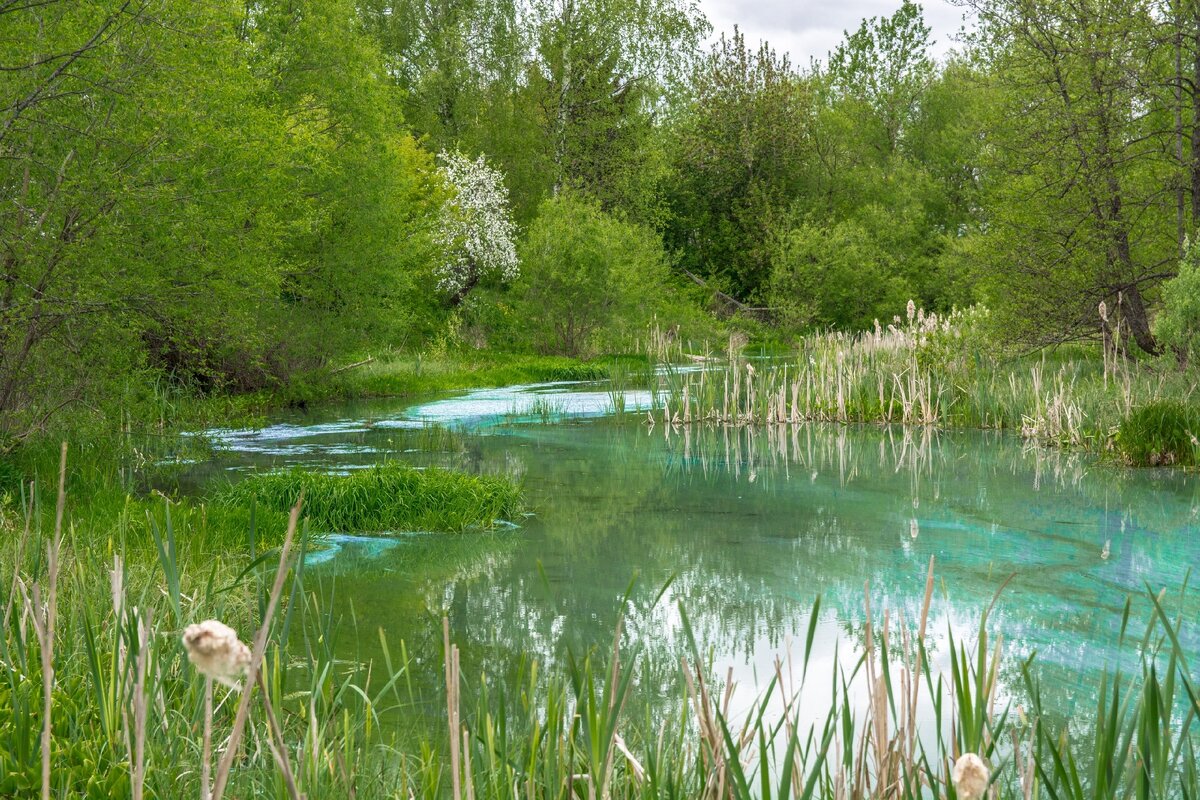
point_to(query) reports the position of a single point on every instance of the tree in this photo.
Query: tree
(740, 153)
(885, 67)
(839, 277)
(1079, 186)
(584, 271)
(1178, 324)
(475, 227)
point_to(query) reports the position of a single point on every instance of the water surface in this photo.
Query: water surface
(748, 527)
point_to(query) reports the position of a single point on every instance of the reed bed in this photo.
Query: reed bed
(384, 497)
(927, 370)
(100, 698)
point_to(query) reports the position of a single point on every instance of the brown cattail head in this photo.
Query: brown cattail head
(971, 777)
(215, 650)
(1104, 311)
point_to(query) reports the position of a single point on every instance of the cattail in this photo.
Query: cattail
(214, 648)
(1103, 311)
(912, 310)
(971, 777)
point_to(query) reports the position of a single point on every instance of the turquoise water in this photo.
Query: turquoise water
(749, 527)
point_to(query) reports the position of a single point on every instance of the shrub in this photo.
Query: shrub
(588, 275)
(1160, 434)
(384, 497)
(1178, 324)
(838, 277)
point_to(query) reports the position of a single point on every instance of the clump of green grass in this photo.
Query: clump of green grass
(1162, 433)
(384, 497)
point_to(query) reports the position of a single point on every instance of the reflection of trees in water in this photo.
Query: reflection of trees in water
(755, 523)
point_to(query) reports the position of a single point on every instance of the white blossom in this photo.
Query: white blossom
(475, 226)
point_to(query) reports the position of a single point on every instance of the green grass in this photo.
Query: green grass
(386, 497)
(1162, 433)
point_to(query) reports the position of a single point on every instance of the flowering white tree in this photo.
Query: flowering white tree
(475, 227)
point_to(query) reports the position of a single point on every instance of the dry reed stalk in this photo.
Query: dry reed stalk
(140, 706)
(44, 619)
(256, 656)
(206, 751)
(452, 709)
(277, 744)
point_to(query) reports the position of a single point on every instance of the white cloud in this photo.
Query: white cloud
(808, 29)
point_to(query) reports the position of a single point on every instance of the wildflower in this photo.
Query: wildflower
(215, 650)
(971, 777)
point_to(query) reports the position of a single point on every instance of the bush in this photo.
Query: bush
(386, 497)
(1160, 434)
(838, 277)
(1178, 324)
(588, 278)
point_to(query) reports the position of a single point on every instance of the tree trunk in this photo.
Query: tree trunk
(1195, 161)
(1133, 311)
(457, 298)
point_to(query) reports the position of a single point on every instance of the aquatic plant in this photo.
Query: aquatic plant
(385, 497)
(1162, 433)
(930, 370)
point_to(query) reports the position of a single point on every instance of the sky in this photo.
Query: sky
(811, 28)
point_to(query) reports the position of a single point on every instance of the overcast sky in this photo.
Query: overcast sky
(811, 28)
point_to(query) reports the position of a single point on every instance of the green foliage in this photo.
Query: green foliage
(1162, 433)
(739, 151)
(386, 497)
(834, 278)
(588, 277)
(1178, 324)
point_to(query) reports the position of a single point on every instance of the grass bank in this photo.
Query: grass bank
(385, 497)
(97, 690)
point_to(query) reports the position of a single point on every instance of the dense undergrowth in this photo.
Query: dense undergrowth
(93, 637)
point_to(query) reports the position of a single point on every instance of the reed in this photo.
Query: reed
(928, 370)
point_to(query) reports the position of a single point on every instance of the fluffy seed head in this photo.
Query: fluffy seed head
(214, 648)
(971, 777)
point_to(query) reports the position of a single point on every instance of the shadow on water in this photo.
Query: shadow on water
(748, 526)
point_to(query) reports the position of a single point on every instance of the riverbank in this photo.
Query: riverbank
(178, 561)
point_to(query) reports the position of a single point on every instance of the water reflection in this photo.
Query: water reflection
(750, 526)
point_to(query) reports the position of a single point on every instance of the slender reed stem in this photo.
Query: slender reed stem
(206, 753)
(279, 748)
(256, 655)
